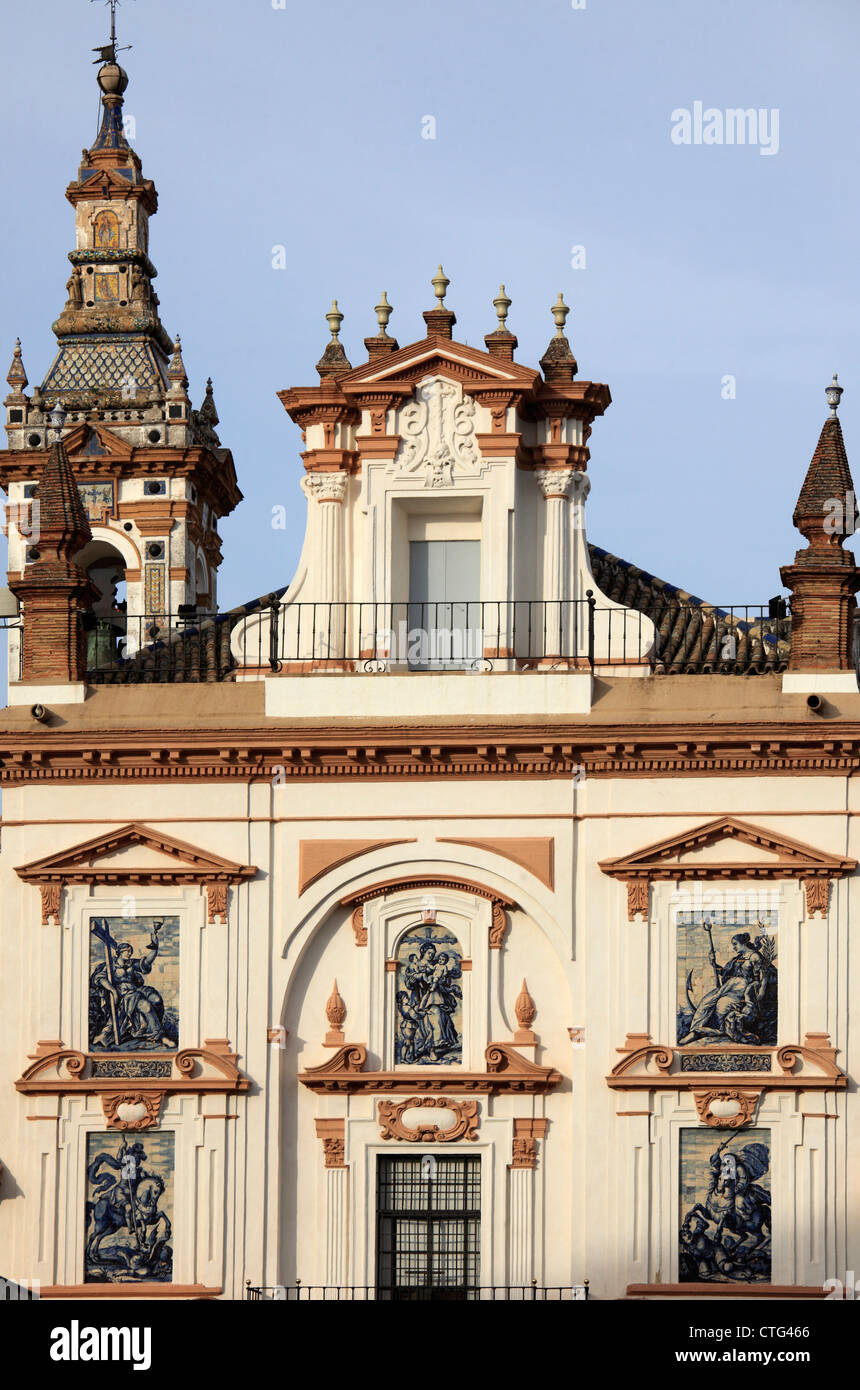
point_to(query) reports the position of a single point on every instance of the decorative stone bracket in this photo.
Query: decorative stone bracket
(727, 1083)
(507, 1072)
(524, 1142)
(134, 1101)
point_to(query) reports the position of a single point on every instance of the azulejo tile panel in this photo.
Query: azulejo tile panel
(429, 999)
(727, 980)
(134, 984)
(725, 1207)
(129, 1209)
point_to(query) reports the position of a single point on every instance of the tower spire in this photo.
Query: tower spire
(824, 576)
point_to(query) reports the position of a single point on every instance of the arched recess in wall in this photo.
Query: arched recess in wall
(322, 903)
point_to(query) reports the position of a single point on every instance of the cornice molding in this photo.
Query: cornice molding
(396, 752)
(656, 1067)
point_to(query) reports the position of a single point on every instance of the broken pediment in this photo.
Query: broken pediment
(133, 854)
(727, 848)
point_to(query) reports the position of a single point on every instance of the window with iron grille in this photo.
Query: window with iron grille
(428, 1228)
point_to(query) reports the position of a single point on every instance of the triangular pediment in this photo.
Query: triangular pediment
(727, 844)
(439, 357)
(86, 442)
(133, 852)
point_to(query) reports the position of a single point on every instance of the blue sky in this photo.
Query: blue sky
(302, 127)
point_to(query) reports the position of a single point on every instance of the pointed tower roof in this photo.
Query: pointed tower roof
(63, 521)
(828, 476)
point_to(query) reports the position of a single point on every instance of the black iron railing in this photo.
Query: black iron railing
(505, 635)
(352, 1293)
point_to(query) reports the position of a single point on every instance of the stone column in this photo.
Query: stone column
(327, 628)
(555, 638)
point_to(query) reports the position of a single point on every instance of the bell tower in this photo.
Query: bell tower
(153, 476)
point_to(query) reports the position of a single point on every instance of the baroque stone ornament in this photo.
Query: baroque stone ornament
(358, 928)
(637, 899)
(525, 1011)
(335, 1012)
(817, 895)
(524, 1141)
(736, 1106)
(136, 1111)
(332, 1132)
(325, 487)
(554, 482)
(437, 429)
(391, 1125)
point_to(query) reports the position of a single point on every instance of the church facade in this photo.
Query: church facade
(470, 917)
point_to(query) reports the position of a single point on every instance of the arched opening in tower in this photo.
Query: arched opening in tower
(105, 621)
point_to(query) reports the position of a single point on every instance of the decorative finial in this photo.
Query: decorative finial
(17, 377)
(525, 1007)
(502, 304)
(57, 418)
(383, 313)
(560, 311)
(335, 1012)
(334, 319)
(525, 1012)
(176, 367)
(833, 393)
(440, 283)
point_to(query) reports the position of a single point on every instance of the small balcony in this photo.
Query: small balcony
(268, 638)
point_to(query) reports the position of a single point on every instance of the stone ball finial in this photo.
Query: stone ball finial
(440, 283)
(833, 393)
(334, 319)
(502, 304)
(112, 79)
(560, 311)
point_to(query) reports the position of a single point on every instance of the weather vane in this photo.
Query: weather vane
(107, 52)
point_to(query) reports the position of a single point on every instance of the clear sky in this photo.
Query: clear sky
(303, 127)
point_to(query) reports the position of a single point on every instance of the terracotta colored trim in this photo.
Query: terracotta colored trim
(63, 863)
(799, 859)
(391, 1126)
(74, 865)
(71, 1078)
(318, 857)
(150, 1100)
(746, 1098)
(135, 1290)
(507, 1071)
(391, 885)
(725, 1291)
(630, 1073)
(536, 855)
(489, 752)
(332, 1132)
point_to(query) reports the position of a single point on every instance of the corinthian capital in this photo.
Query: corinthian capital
(554, 482)
(325, 487)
